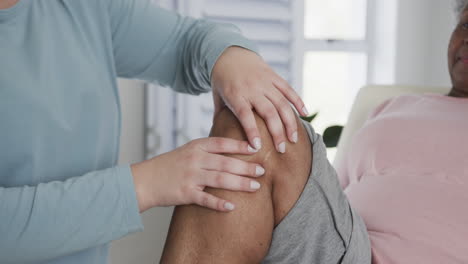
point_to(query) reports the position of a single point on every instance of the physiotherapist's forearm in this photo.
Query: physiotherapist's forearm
(54, 219)
(158, 45)
(205, 42)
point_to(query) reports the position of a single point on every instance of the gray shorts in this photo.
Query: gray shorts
(321, 227)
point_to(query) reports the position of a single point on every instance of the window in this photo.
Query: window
(173, 119)
(335, 58)
(320, 47)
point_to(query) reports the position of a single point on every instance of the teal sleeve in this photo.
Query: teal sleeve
(157, 45)
(54, 219)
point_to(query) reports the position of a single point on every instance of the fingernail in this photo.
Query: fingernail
(304, 110)
(259, 171)
(251, 150)
(229, 206)
(257, 143)
(254, 185)
(282, 147)
(294, 137)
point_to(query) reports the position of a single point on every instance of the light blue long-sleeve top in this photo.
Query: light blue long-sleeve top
(62, 197)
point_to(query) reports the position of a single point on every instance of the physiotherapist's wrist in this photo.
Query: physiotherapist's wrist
(230, 41)
(129, 198)
(139, 172)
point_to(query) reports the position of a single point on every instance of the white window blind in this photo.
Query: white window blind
(174, 119)
(324, 49)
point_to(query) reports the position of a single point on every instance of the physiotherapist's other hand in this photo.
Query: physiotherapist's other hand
(242, 81)
(180, 176)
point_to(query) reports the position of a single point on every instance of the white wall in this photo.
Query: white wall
(132, 134)
(144, 247)
(423, 31)
(443, 22)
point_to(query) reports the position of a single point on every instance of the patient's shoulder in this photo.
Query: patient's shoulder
(400, 103)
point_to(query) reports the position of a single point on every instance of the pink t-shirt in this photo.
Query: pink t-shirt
(407, 176)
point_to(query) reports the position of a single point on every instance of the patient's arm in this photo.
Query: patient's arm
(199, 235)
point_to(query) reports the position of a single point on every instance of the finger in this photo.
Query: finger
(231, 165)
(291, 95)
(226, 145)
(228, 181)
(243, 111)
(286, 113)
(212, 202)
(268, 112)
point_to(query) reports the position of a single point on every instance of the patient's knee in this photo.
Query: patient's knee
(227, 125)
(287, 173)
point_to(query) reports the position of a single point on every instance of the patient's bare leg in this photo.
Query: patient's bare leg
(199, 235)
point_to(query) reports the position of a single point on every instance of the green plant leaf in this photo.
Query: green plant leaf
(309, 118)
(331, 136)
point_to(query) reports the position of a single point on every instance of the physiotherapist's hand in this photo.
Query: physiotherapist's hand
(242, 81)
(180, 176)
